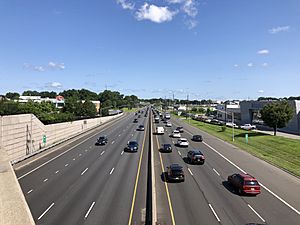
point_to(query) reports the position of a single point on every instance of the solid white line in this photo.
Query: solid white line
(45, 180)
(216, 171)
(112, 142)
(28, 192)
(102, 152)
(280, 199)
(190, 171)
(179, 153)
(256, 213)
(212, 209)
(84, 171)
(112, 170)
(122, 152)
(271, 192)
(57, 172)
(46, 211)
(90, 209)
(66, 165)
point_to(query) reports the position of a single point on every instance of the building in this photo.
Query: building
(59, 101)
(250, 114)
(226, 111)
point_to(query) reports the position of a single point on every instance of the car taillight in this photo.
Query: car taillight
(202, 157)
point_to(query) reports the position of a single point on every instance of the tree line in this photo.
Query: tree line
(78, 104)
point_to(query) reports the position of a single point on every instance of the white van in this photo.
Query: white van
(160, 130)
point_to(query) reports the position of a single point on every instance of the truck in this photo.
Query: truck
(160, 130)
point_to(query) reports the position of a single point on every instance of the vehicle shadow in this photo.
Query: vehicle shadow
(251, 134)
(231, 189)
(163, 176)
(162, 151)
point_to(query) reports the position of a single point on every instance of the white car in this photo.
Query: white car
(182, 142)
(169, 124)
(232, 125)
(248, 127)
(176, 134)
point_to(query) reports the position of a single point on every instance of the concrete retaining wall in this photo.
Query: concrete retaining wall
(22, 135)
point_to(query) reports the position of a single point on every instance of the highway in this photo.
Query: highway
(90, 184)
(205, 197)
(81, 183)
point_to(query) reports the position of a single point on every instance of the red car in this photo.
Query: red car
(244, 183)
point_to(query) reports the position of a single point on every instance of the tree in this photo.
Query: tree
(277, 114)
(12, 95)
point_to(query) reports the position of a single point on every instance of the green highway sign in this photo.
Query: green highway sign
(44, 139)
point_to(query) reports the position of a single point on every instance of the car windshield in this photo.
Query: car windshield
(133, 143)
(176, 172)
(251, 182)
(101, 138)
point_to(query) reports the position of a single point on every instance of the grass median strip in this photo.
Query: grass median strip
(280, 151)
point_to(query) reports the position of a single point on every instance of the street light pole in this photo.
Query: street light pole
(232, 119)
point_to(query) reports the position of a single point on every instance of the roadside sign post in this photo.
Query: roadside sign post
(246, 138)
(44, 140)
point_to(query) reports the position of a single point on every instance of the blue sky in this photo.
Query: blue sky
(217, 49)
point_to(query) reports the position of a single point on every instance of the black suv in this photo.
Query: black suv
(195, 156)
(135, 120)
(166, 148)
(175, 173)
(197, 137)
(102, 140)
(180, 129)
(132, 146)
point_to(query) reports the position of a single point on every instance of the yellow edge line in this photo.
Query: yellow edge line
(137, 177)
(166, 185)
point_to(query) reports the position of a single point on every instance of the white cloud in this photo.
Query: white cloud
(190, 8)
(43, 68)
(126, 4)
(236, 65)
(53, 85)
(260, 91)
(276, 30)
(175, 1)
(265, 64)
(250, 64)
(155, 13)
(59, 66)
(263, 52)
(191, 23)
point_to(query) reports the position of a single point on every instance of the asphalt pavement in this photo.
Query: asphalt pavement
(89, 184)
(206, 198)
(81, 183)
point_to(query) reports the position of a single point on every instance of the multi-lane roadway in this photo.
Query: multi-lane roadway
(81, 183)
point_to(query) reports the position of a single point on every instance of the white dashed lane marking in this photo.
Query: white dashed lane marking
(84, 171)
(40, 217)
(90, 209)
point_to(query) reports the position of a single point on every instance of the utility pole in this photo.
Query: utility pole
(187, 106)
(173, 104)
(232, 119)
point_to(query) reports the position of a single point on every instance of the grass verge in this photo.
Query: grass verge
(129, 110)
(280, 151)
